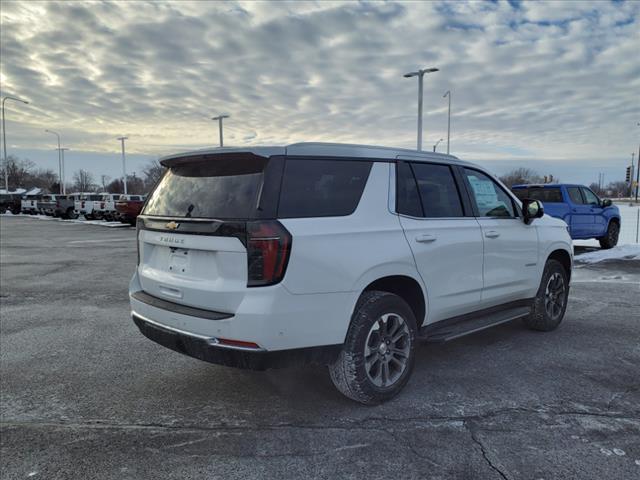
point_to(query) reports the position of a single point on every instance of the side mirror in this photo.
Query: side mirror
(606, 203)
(531, 209)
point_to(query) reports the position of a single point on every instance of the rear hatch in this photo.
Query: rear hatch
(207, 232)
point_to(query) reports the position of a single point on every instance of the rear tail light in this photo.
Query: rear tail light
(268, 248)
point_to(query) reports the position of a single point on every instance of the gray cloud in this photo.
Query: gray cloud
(549, 81)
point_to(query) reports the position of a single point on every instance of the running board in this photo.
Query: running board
(457, 327)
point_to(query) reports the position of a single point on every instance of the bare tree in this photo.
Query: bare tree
(45, 179)
(19, 172)
(83, 181)
(152, 172)
(521, 175)
(104, 179)
(596, 189)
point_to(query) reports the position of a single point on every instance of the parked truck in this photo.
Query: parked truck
(587, 215)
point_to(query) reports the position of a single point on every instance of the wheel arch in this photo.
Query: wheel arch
(407, 288)
(564, 258)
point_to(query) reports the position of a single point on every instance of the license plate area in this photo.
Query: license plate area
(179, 260)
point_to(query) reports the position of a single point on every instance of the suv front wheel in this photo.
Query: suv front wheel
(378, 354)
(550, 302)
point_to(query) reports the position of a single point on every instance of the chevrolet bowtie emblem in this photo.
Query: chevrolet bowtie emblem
(172, 225)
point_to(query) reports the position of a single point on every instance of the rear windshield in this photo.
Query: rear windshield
(251, 187)
(548, 195)
(224, 188)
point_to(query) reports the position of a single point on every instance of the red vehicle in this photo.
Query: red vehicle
(128, 207)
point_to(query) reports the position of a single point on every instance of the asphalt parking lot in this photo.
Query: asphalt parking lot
(84, 395)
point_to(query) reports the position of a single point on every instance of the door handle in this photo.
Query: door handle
(425, 238)
(492, 234)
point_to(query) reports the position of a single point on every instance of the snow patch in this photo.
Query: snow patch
(621, 252)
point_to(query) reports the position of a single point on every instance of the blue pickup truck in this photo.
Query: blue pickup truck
(587, 215)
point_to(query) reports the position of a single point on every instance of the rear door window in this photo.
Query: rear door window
(321, 188)
(438, 190)
(408, 198)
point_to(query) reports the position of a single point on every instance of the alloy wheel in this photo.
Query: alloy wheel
(387, 349)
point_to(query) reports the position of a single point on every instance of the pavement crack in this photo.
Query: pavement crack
(483, 450)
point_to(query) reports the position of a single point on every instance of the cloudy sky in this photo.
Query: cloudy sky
(554, 86)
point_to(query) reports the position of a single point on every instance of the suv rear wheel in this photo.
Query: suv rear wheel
(378, 354)
(550, 302)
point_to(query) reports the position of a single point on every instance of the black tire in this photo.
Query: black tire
(610, 240)
(349, 372)
(550, 303)
(71, 214)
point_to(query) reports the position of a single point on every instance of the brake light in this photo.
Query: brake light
(268, 248)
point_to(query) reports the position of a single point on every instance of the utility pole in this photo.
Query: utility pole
(448, 94)
(638, 171)
(220, 118)
(124, 167)
(59, 159)
(4, 140)
(64, 187)
(420, 75)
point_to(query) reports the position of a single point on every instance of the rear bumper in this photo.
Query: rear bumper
(206, 349)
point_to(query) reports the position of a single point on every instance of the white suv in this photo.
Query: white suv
(340, 255)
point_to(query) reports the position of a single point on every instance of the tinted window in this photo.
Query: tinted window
(322, 188)
(135, 197)
(590, 197)
(438, 190)
(408, 198)
(220, 187)
(574, 195)
(490, 198)
(545, 195)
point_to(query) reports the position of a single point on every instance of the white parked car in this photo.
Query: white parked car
(341, 255)
(29, 204)
(85, 203)
(105, 208)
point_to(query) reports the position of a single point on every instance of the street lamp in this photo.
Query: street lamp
(124, 168)
(420, 75)
(638, 172)
(64, 188)
(4, 141)
(437, 143)
(448, 94)
(59, 159)
(219, 118)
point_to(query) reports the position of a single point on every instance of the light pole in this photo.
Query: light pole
(219, 118)
(437, 143)
(64, 188)
(448, 94)
(59, 158)
(124, 168)
(420, 75)
(4, 141)
(638, 170)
